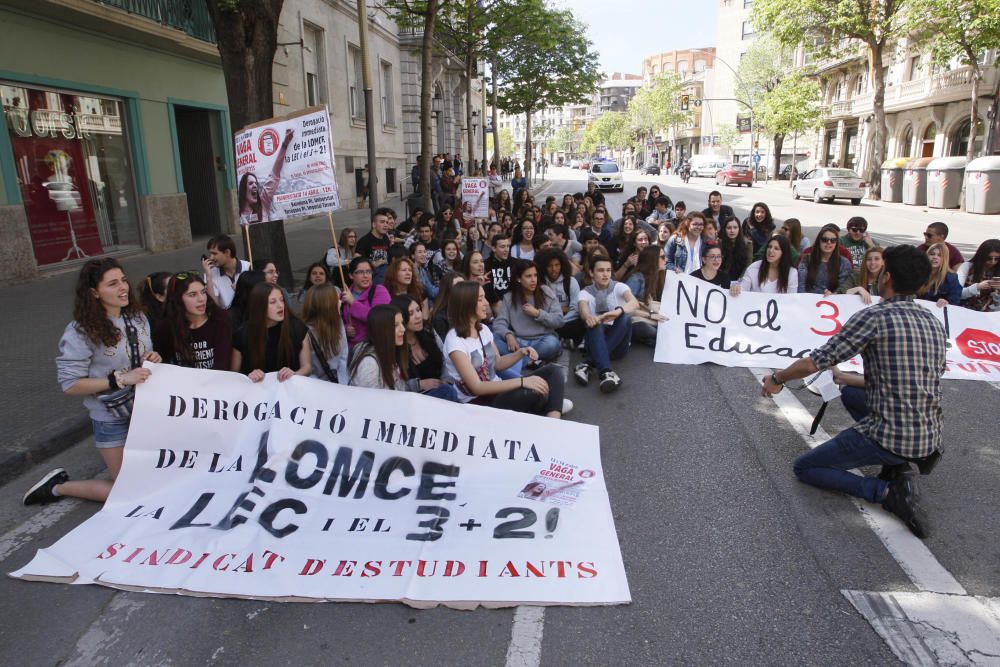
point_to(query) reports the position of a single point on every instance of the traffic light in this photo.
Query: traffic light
(685, 100)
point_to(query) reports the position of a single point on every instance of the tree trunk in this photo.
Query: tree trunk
(795, 148)
(495, 113)
(876, 71)
(527, 146)
(426, 90)
(469, 132)
(977, 74)
(779, 142)
(247, 38)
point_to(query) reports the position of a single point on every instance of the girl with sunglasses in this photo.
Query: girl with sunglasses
(823, 269)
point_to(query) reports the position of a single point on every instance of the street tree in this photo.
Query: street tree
(425, 14)
(827, 27)
(506, 145)
(761, 70)
(612, 130)
(551, 63)
(727, 136)
(562, 141)
(657, 108)
(962, 30)
(246, 33)
(791, 107)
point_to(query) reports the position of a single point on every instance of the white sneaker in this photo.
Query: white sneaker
(567, 407)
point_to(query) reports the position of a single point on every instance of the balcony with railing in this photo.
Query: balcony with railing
(189, 16)
(951, 86)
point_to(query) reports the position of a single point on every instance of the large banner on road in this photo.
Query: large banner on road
(312, 490)
(706, 324)
(285, 167)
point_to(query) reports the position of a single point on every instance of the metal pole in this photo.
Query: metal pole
(366, 82)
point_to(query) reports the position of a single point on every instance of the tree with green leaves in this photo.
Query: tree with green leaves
(505, 145)
(562, 140)
(824, 25)
(612, 130)
(792, 107)
(549, 64)
(246, 33)
(658, 107)
(727, 136)
(762, 68)
(425, 14)
(962, 29)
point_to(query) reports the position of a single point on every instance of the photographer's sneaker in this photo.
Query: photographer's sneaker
(610, 382)
(41, 493)
(582, 373)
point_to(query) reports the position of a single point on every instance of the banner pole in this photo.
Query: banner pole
(246, 235)
(336, 249)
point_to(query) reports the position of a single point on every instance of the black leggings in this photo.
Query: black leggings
(531, 402)
(572, 330)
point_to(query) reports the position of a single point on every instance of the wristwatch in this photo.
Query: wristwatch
(774, 379)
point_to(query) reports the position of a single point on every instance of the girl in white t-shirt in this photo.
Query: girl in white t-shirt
(472, 362)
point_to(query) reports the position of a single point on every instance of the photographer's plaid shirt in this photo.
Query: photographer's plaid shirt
(903, 348)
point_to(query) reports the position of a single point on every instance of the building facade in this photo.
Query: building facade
(116, 134)
(734, 34)
(927, 107)
(695, 69)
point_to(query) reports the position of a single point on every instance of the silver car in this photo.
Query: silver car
(829, 183)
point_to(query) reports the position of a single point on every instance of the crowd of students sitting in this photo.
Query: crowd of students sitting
(464, 310)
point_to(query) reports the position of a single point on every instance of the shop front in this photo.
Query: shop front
(74, 171)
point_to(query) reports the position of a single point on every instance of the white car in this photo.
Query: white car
(607, 176)
(574, 164)
(828, 183)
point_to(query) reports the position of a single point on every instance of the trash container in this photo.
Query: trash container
(414, 201)
(892, 179)
(944, 182)
(981, 196)
(915, 182)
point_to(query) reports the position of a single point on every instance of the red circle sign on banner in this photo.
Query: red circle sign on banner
(268, 142)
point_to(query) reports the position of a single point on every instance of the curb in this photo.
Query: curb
(45, 447)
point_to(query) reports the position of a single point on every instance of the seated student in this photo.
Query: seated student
(498, 267)
(684, 247)
(379, 361)
(557, 271)
(774, 274)
(680, 210)
(622, 238)
(943, 286)
(823, 269)
(195, 331)
(474, 268)
(980, 278)
(646, 284)
(401, 278)
(446, 260)
(661, 211)
(865, 281)
(360, 298)
(628, 259)
(472, 362)
(439, 316)
(421, 261)
(426, 362)
(316, 274)
(937, 232)
(529, 316)
(857, 240)
(711, 266)
(605, 307)
(737, 249)
(559, 237)
(525, 241)
(327, 337)
(273, 339)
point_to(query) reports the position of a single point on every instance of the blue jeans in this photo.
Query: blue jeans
(827, 466)
(604, 343)
(854, 402)
(547, 347)
(445, 392)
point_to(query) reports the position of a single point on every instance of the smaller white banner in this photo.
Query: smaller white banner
(706, 324)
(284, 167)
(476, 197)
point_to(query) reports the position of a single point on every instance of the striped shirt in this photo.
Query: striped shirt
(903, 348)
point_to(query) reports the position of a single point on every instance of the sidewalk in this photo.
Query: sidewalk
(39, 419)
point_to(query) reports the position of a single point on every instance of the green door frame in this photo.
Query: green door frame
(222, 125)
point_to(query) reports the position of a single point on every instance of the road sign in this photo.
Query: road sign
(743, 124)
(756, 158)
(697, 103)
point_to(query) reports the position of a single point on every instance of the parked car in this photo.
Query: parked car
(574, 164)
(652, 170)
(830, 183)
(706, 165)
(734, 174)
(607, 176)
(585, 165)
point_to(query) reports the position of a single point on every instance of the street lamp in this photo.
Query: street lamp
(736, 99)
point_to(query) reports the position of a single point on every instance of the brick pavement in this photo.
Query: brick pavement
(39, 419)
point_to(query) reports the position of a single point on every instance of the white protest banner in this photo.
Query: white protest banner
(476, 197)
(706, 324)
(284, 167)
(312, 490)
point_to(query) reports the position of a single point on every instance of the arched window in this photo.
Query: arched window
(927, 145)
(906, 145)
(959, 139)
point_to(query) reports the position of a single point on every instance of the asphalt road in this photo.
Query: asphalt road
(729, 558)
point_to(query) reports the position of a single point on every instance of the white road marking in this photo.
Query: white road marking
(910, 552)
(96, 644)
(525, 649)
(17, 537)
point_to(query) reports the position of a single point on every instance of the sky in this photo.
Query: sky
(626, 31)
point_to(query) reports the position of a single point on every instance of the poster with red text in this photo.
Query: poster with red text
(285, 167)
(308, 490)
